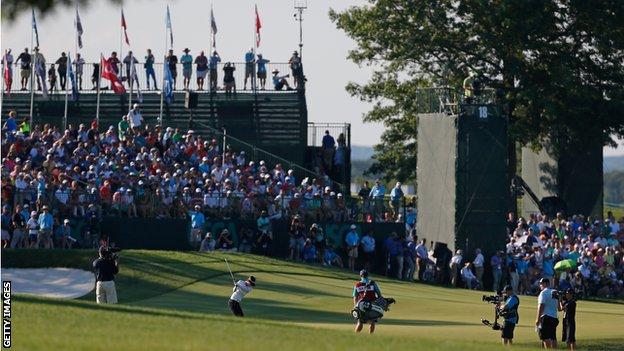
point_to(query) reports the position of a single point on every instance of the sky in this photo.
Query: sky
(324, 46)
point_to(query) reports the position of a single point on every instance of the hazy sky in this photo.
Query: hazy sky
(324, 51)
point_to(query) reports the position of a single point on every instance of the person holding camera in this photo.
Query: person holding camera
(546, 320)
(568, 306)
(509, 311)
(105, 267)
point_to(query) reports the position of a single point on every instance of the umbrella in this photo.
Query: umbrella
(564, 265)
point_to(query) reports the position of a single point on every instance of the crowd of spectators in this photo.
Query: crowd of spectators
(206, 67)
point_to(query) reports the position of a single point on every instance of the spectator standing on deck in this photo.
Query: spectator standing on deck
(214, 62)
(61, 67)
(228, 78)
(25, 60)
(249, 67)
(396, 195)
(297, 69)
(329, 147)
(172, 61)
(79, 70)
(128, 61)
(202, 69)
(262, 72)
(149, 69)
(187, 68)
(377, 194)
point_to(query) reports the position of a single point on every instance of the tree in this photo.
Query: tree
(557, 66)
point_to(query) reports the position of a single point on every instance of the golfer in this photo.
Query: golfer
(365, 290)
(241, 288)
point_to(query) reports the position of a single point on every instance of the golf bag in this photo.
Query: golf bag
(365, 311)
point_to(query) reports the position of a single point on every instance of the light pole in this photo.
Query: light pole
(300, 5)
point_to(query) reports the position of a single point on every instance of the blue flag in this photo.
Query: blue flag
(34, 25)
(168, 88)
(72, 78)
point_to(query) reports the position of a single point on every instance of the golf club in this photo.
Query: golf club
(230, 269)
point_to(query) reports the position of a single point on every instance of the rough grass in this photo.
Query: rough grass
(173, 300)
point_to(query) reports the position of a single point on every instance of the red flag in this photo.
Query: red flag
(258, 26)
(109, 73)
(125, 27)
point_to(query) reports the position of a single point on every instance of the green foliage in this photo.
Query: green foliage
(557, 65)
(13, 8)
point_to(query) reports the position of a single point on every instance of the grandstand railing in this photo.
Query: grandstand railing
(144, 202)
(448, 99)
(90, 75)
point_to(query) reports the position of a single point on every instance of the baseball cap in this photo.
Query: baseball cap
(363, 273)
(252, 280)
(507, 287)
(544, 281)
(353, 226)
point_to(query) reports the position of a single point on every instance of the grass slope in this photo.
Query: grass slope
(172, 299)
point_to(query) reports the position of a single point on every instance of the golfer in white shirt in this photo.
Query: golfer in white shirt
(241, 288)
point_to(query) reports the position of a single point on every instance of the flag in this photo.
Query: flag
(258, 26)
(72, 78)
(34, 26)
(168, 87)
(125, 28)
(40, 71)
(109, 73)
(8, 79)
(213, 26)
(78, 28)
(169, 26)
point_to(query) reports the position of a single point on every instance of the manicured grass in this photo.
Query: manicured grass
(173, 300)
(618, 212)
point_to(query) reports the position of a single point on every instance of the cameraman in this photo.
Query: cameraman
(568, 306)
(509, 311)
(105, 267)
(546, 320)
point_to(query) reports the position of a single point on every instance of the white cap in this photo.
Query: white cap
(353, 226)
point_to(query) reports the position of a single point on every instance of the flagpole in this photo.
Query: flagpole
(32, 74)
(121, 48)
(255, 45)
(130, 82)
(75, 61)
(162, 86)
(97, 105)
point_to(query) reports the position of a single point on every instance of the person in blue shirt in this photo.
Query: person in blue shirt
(249, 67)
(353, 242)
(396, 195)
(509, 311)
(279, 82)
(368, 250)
(197, 223)
(262, 72)
(187, 67)
(6, 225)
(214, 61)
(377, 194)
(309, 251)
(45, 221)
(10, 125)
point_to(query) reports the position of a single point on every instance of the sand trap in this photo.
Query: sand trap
(60, 283)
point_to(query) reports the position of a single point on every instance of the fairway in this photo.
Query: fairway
(179, 300)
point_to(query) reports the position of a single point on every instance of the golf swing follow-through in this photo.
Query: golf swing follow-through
(241, 288)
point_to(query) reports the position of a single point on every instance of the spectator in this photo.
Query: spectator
(172, 61)
(279, 82)
(33, 229)
(297, 238)
(51, 78)
(6, 226)
(61, 65)
(456, 262)
(45, 222)
(496, 263)
(225, 243)
(228, 78)
(130, 61)
(368, 250)
(409, 260)
(66, 240)
(477, 263)
(396, 196)
(10, 125)
(95, 77)
(214, 61)
(207, 244)
(149, 69)
(79, 69)
(249, 67)
(377, 194)
(297, 70)
(262, 72)
(468, 277)
(202, 69)
(135, 117)
(25, 68)
(187, 70)
(309, 251)
(19, 228)
(353, 243)
(197, 223)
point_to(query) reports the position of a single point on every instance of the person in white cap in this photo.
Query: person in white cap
(353, 243)
(135, 117)
(279, 82)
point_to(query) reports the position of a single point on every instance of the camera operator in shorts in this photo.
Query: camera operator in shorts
(106, 267)
(508, 309)
(568, 305)
(546, 320)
